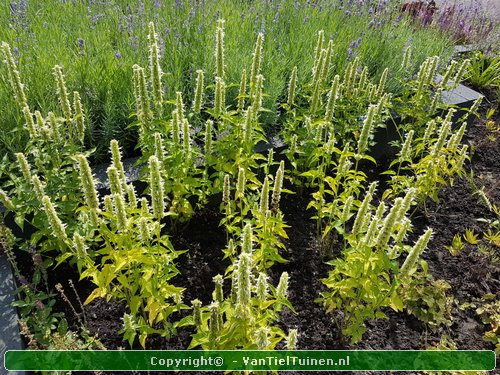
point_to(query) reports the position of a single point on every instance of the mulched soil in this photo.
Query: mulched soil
(470, 274)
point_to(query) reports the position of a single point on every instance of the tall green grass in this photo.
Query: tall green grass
(98, 41)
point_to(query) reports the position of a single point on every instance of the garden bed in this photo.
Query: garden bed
(470, 274)
(308, 243)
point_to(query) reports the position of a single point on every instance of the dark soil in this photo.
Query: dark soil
(471, 274)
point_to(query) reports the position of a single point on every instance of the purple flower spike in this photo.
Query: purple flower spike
(81, 44)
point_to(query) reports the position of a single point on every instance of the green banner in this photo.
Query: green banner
(180, 360)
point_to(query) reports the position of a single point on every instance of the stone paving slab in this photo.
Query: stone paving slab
(10, 338)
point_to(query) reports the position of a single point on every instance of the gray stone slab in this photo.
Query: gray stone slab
(132, 172)
(461, 95)
(462, 49)
(453, 97)
(10, 338)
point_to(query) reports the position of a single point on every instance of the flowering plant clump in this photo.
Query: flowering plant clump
(120, 237)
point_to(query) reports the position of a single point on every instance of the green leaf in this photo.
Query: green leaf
(19, 304)
(62, 328)
(19, 220)
(142, 339)
(61, 258)
(135, 303)
(96, 293)
(184, 322)
(396, 303)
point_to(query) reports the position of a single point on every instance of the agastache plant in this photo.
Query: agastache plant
(79, 117)
(243, 319)
(114, 181)
(14, 77)
(6, 201)
(332, 98)
(116, 159)
(316, 84)
(405, 63)
(30, 124)
(155, 68)
(317, 50)
(144, 113)
(278, 185)
(219, 102)
(198, 95)
(256, 64)
(367, 252)
(219, 49)
(38, 187)
(156, 186)
(179, 108)
(242, 91)
(382, 82)
(362, 216)
(366, 131)
(415, 253)
(62, 94)
(257, 97)
(54, 128)
(24, 166)
(89, 190)
(326, 64)
(54, 220)
(42, 129)
(292, 87)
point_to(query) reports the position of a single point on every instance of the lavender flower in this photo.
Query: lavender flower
(81, 44)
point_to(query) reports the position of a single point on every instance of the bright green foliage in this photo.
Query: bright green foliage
(246, 322)
(426, 299)
(483, 71)
(136, 265)
(328, 128)
(359, 284)
(490, 314)
(261, 229)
